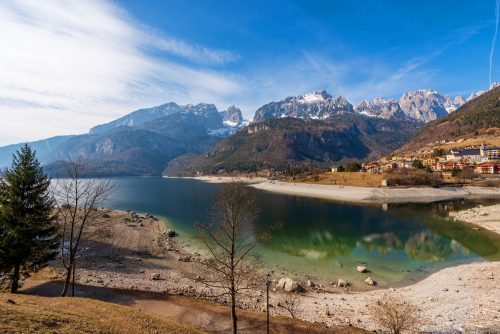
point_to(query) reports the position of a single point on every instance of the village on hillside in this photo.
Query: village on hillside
(480, 160)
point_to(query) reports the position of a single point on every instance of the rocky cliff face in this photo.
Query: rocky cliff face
(316, 105)
(423, 105)
(232, 116)
(380, 107)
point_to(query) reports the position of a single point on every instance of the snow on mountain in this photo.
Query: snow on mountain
(314, 105)
(473, 95)
(232, 116)
(380, 107)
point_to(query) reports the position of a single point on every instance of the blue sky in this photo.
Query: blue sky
(73, 64)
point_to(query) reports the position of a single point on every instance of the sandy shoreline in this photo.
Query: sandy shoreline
(352, 194)
(222, 179)
(461, 298)
(376, 195)
(487, 217)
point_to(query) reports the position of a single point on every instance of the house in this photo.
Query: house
(372, 167)
(491, 153)
(429, 162)
(446, 166)
(487, 168)
(469, 154)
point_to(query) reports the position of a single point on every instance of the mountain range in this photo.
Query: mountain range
(422, 105)
(139, 143)
(296, 143)
(477, 119)
(145, 141)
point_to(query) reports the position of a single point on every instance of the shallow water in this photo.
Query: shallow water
(325, 240)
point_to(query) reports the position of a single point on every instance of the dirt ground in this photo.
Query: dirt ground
(116, 266)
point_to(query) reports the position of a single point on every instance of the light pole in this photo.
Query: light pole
(268, 284)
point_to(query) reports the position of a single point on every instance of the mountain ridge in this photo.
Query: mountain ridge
(283, 143)
(478, 117)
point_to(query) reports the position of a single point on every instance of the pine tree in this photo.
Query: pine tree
(28, 227)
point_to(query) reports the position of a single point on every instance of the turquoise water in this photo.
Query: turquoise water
(325, 240)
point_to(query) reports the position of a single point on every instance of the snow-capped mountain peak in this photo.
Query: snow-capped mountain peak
(315, 97)
(314, 105)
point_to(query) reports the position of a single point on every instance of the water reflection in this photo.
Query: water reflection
(318, 234)
(422, 232)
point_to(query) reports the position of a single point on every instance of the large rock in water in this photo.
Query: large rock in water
(362, 269)
(370, 281)
(289, 285)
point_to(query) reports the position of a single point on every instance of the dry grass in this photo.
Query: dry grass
(32, 314)
(346, 179)
(488, 140)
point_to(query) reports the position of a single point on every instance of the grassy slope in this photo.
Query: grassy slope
(32, 314)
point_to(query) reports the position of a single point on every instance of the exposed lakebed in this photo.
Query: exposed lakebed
(325, 240)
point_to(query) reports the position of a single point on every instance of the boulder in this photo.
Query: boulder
(370, 281)
(170, 233)
(289, 285)
(154, 276)
(342, 283)
(362, 269)
(310, 283)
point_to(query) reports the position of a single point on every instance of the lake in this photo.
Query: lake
(325, 240)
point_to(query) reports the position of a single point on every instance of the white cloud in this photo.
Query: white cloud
(66, 66)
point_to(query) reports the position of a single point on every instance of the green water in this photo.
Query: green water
(325, 240)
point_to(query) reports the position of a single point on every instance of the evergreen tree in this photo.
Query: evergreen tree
(28, 228)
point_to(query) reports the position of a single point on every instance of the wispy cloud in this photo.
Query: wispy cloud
(358, 77)
(90, 61)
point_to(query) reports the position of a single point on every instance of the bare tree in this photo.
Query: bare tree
(290, 302)
(396, 315)
(77, 199)
(230, 239)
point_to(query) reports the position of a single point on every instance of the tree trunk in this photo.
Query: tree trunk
(73, 283)
(15, 279)
(68, 278)
(234, 319)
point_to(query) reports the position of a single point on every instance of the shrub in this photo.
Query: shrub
(353, 167)
(395, 315)
(413, 178)
(417, 164)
